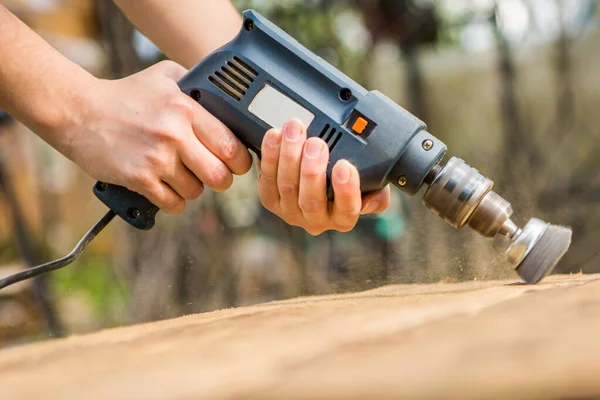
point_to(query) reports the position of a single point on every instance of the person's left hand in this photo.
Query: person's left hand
(292, 183)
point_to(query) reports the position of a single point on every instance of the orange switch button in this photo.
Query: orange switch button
(359, 125)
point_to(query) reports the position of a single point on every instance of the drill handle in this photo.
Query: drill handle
(134, 208)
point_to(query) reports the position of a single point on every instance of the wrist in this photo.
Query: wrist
(62, 125)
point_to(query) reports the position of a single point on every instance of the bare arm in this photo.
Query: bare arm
(141, 132)
(29, 72)
(185, 30)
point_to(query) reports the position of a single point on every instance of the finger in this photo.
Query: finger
(267, 181)
(347, 201)
(221, 141)
(312, 198)
(376, 202)
(184, 182)
(207, 168)
(288, 171)
(162, 196)
(170, 69)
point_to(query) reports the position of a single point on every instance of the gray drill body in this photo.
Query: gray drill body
(264, 77)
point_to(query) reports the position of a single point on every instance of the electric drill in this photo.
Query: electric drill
(264, 77)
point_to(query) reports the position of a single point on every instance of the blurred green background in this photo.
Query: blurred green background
(511, 86)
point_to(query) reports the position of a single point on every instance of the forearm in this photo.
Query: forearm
(185, 30)
(38, 85)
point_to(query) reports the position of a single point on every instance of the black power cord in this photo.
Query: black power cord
(61, 262)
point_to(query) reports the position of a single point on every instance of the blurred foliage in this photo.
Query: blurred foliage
(93, 277)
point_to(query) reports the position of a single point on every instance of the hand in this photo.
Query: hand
(143, 133)
(292, 183)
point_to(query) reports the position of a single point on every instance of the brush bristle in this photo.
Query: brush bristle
(545, 254)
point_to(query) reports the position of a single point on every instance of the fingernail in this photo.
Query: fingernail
(313, 149)
(292, 130)
(370, 207)
(274, 138)
(342, 173)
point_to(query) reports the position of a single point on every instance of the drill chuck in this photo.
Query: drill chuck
(461, 195)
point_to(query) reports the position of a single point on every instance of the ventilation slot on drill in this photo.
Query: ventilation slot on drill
(234, 78)
(330, 136)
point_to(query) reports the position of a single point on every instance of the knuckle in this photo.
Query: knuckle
(164, 134)
(229, 146)
(311, 205)
(314, 231)
(214, 127)
(292, 220)
(180, 103)
(156, 160)
(141, 179)
(312, 173)
(219, 177)
(266, 182)
(195, 192)
(272, 207)
(266, 178)
(174, 206)
(349, 214)
(267, 202)
(287, 187)
(346, 221)
(344, 228)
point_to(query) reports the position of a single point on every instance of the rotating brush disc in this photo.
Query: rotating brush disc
(538, 248)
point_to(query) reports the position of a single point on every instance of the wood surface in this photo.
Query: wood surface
(473, 340)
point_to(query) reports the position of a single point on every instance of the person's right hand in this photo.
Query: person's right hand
(143, 133)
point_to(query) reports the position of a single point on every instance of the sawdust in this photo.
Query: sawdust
(469, 340)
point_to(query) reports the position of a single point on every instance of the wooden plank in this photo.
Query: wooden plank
(493, 340)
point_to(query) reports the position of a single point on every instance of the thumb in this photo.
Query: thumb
(170, 69)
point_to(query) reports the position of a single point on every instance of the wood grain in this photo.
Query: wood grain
(473, 340)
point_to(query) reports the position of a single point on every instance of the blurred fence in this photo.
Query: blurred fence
(520, 105)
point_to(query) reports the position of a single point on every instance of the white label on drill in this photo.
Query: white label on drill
(275, 108)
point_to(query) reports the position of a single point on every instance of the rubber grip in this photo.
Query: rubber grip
(134, 208)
